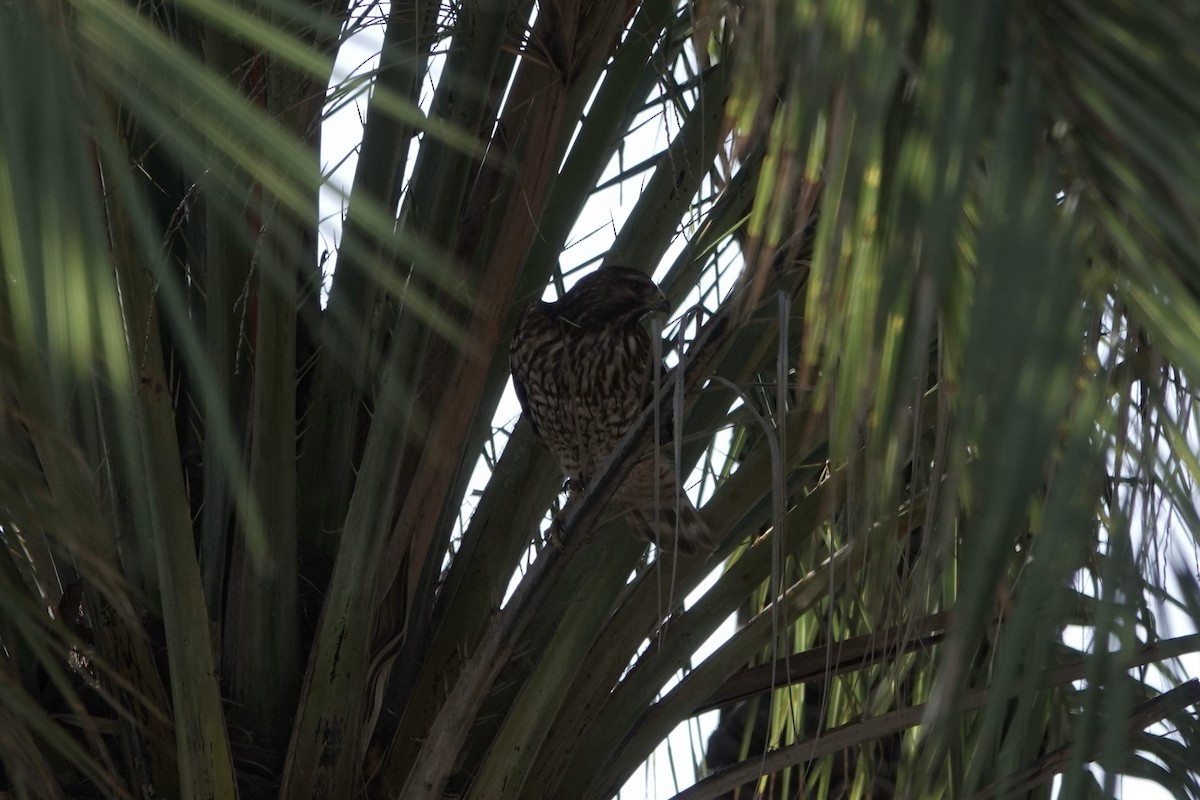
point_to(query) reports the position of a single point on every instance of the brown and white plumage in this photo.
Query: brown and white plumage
(583, 372)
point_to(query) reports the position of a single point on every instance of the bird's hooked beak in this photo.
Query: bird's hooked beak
(658, 304)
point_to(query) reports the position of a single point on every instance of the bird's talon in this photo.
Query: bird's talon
(554, 535)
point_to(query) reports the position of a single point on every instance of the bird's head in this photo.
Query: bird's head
(612, 295)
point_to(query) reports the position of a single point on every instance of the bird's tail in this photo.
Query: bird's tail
(672, 529)
(658, 511)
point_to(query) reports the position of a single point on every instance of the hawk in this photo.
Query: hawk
(583, 372)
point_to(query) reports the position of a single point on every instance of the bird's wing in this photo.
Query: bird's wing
(516, 368)
(523, 399)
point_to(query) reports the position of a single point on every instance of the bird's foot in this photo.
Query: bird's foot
(554, 535)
